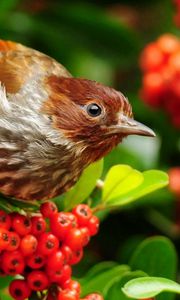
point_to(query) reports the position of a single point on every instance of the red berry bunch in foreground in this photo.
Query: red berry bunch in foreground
(160, 63)
(43, 249)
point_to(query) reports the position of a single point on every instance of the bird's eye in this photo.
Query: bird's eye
(94, 110)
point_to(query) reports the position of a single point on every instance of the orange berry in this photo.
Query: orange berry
(168, 43)
(153, 82)
(151, 58)
(153, 89)
(174, 180)
(174, 61)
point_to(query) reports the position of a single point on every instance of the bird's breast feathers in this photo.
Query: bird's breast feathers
(28, 142)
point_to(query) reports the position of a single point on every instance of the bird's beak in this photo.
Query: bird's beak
(129, 126)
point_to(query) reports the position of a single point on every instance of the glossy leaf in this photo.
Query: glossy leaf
(99, 282)
(114, 291)
(98, 269)
(157, 257)
(85, 185)
(153, 180)
(5, 296)
(119, 180)
(147, 287)
(5, 281)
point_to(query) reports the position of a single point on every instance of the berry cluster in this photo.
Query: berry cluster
(160, 63)
(177, 15)
(42, 249)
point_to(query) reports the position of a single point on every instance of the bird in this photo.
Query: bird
(53, 125)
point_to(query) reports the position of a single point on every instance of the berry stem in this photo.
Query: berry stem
(99, 207)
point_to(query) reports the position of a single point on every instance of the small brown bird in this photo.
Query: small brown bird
(52, 125)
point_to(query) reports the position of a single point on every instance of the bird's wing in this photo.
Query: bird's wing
(19, 64)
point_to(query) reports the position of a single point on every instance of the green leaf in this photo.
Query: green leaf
(85, 185)
(114, 291)
(147, 287)
(153, 180)
(98, 269)
(157, 257)
(11, 204)
(120, 180)
(5, 281)
(99, 282)
(5, 296)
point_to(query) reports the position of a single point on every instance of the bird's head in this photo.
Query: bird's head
(91, 115)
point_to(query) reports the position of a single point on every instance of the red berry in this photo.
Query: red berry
(47, 243)
(38, 225)
(174, 61)
(60, 225)
(153, 83)
(59, 276)
(83, 214)
(21, 224)
(174, 180)
(76, 257)
(36, 261)
(66, 273)
(48, 209)
(4, 238)
(85, 235)
(168, 43)
(93, 225)
(56, 260)
(67, 252)
(167, 72)
(5, 220)
(54, 275)
(28, 244)
(19, 289)
(72, 285)
(13, 262)
(72, 218)
(37, 281)
(151, 58)
(14, 241)
(175, 90)
(94, 296)
(67, 295)
(74, 239)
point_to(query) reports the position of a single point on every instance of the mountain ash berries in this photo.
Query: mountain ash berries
(160, 64)
(41, 250)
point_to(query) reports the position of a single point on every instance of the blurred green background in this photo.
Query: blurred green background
(102, 40)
